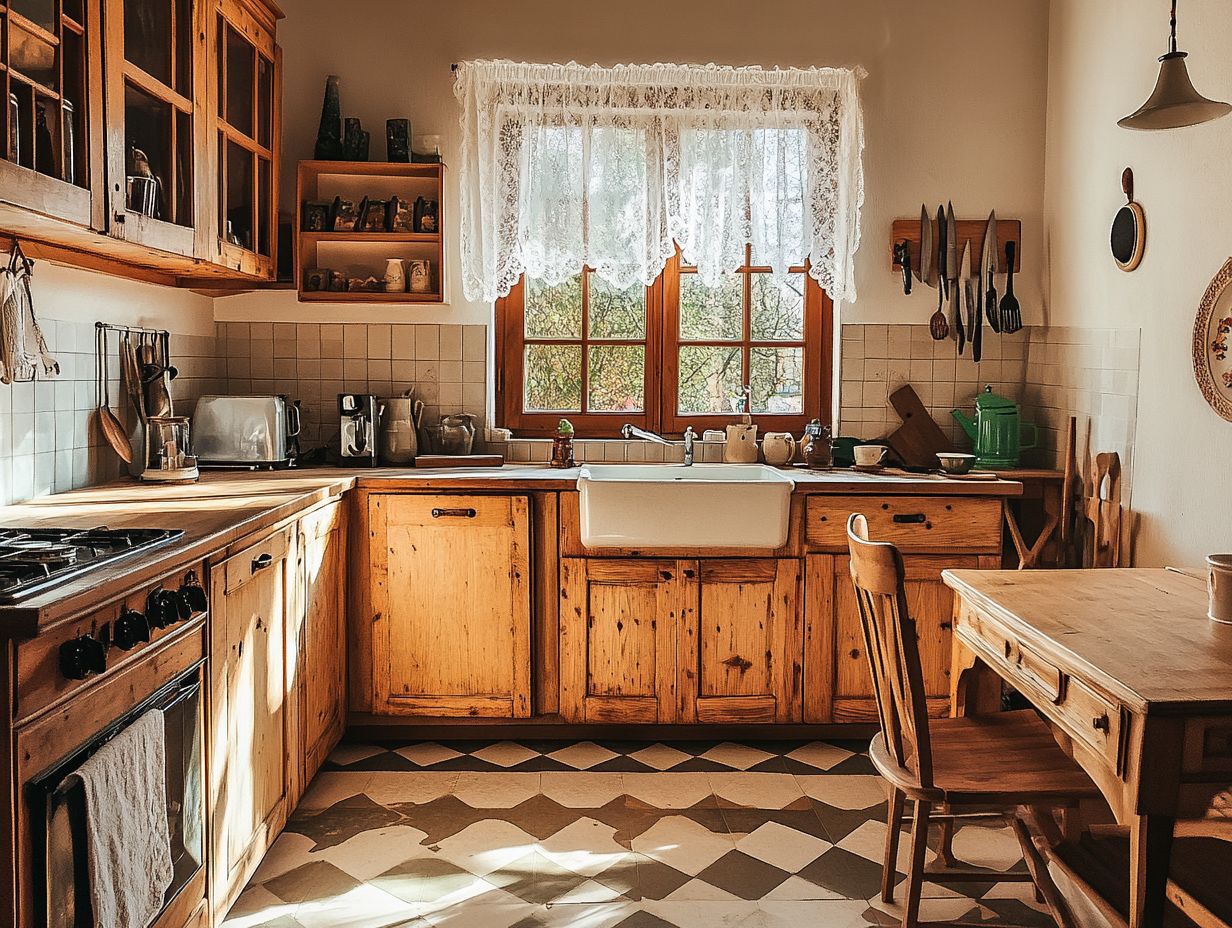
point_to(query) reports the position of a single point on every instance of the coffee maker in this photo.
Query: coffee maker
(358, 415)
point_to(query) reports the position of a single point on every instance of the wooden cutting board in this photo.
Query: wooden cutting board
(919, 438)
(459, 460)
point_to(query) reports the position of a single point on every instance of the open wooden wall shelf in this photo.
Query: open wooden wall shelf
(363, 254)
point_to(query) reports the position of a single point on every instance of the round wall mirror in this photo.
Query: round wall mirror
(1128, 238)
(1212, 357)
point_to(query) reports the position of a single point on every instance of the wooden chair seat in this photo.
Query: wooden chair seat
(1009, 758)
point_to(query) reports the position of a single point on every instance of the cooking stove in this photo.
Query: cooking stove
(34, 559)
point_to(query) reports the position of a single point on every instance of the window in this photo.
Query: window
(664, 357)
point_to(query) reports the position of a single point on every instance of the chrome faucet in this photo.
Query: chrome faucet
(629, 430)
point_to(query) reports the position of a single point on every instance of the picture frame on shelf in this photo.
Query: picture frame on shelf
(316, 217)
(316, 279)
(373, 216)
(426, 216)
(401, 215)
(345, 215)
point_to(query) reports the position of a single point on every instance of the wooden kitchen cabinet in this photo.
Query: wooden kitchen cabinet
(450, 591)
(250, 757)
(741, 641)
(619, 626)
(147, 136)
(318, 647)
(839, 684)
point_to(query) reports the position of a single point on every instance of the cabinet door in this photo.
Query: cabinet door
(247, 139)
(842, 654)
(249, 771)
(451, 601)
(155, 92)
(618, 631)
(742, 643)
(321, 667)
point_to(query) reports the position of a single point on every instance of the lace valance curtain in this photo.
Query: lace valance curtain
(569, 165)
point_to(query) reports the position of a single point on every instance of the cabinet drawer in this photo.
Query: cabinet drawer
(439, 511)
(1022, 667)
(248, 563)
(1093, 719)
(913, 523)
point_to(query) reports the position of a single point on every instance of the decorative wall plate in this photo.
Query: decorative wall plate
(1212, 343)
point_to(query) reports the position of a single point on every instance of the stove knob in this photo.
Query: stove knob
(130, 629)
(159, 610)
(194, 593)
(81, 657)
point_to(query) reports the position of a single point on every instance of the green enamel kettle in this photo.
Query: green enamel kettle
(996, 431)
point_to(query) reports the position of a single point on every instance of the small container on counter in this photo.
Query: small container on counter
(817, 450)
(562, 445)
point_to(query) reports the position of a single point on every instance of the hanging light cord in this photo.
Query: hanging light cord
(1172, 41)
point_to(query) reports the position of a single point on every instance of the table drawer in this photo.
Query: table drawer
(913, 523)
(1022, 667)
(1094, 719)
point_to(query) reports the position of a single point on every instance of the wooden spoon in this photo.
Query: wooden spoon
(113, 430)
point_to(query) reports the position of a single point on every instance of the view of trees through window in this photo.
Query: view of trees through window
(586, 345)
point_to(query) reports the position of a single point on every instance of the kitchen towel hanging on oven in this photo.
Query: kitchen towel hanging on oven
(22, 346)
(128, 843)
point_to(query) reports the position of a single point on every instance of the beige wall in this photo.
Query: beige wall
(954, 101)
(1102, 66)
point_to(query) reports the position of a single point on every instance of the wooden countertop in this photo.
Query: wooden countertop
(1143, 633)
(226, 506)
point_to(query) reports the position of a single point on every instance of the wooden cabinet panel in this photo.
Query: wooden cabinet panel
(320, 671)
(250, 773)
(618, 626)
(741, 641)
(913, 523)
(837, 659)
(450, 592)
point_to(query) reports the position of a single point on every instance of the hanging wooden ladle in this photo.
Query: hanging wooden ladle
(113, 430)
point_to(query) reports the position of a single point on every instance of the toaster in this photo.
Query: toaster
(245, 431)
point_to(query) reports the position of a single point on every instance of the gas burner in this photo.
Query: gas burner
(32, 560)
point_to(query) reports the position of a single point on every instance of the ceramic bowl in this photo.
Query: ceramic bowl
(955, 462)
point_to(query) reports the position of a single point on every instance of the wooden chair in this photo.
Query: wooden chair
(989, 764)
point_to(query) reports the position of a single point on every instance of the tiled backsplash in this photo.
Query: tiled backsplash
(878, 359)
(314, 362)
(49, 436)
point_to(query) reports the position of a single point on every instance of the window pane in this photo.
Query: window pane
(777, 380)
(616, 313)
(777, 308)
(710, 379)
(553, 312)
(711, 313)
(553, 378)
(617, 378)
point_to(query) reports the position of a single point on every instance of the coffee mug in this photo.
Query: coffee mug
(869, 455)
(1219, 587)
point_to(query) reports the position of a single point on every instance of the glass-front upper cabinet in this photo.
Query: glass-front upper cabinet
(247, 137)
(155, 74)
(49, 63)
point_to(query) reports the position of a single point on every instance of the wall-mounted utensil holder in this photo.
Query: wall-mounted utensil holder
(970, 231)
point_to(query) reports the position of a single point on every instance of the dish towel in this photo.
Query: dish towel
(128, 845)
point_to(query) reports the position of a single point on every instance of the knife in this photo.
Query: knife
(928, 270)
(942, 251)
(988, 272)
(964, 298)
(951, 272)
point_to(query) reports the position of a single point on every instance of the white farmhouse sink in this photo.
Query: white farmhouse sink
(673, 506)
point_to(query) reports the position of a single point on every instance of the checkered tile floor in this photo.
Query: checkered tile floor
(599, 834)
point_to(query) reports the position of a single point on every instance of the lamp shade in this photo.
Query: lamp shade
(1174, 102)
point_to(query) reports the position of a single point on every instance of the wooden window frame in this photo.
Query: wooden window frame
(662, 354)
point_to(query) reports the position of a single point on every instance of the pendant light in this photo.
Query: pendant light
(1174, 102)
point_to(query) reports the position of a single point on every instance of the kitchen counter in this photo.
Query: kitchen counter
(226, 506)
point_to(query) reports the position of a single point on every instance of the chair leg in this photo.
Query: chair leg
(915, 871)
(945, 849)
(889, 867)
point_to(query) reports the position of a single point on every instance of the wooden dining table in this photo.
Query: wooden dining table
(1133, 676)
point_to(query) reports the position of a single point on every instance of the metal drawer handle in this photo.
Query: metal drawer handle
(910, 518)
(1101, 724)
(453, 513)
(262, 561)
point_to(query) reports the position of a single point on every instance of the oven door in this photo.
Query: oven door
(58, 816)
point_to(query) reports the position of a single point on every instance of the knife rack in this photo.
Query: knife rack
(969, 230)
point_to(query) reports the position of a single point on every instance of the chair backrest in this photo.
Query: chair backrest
(893, 651)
